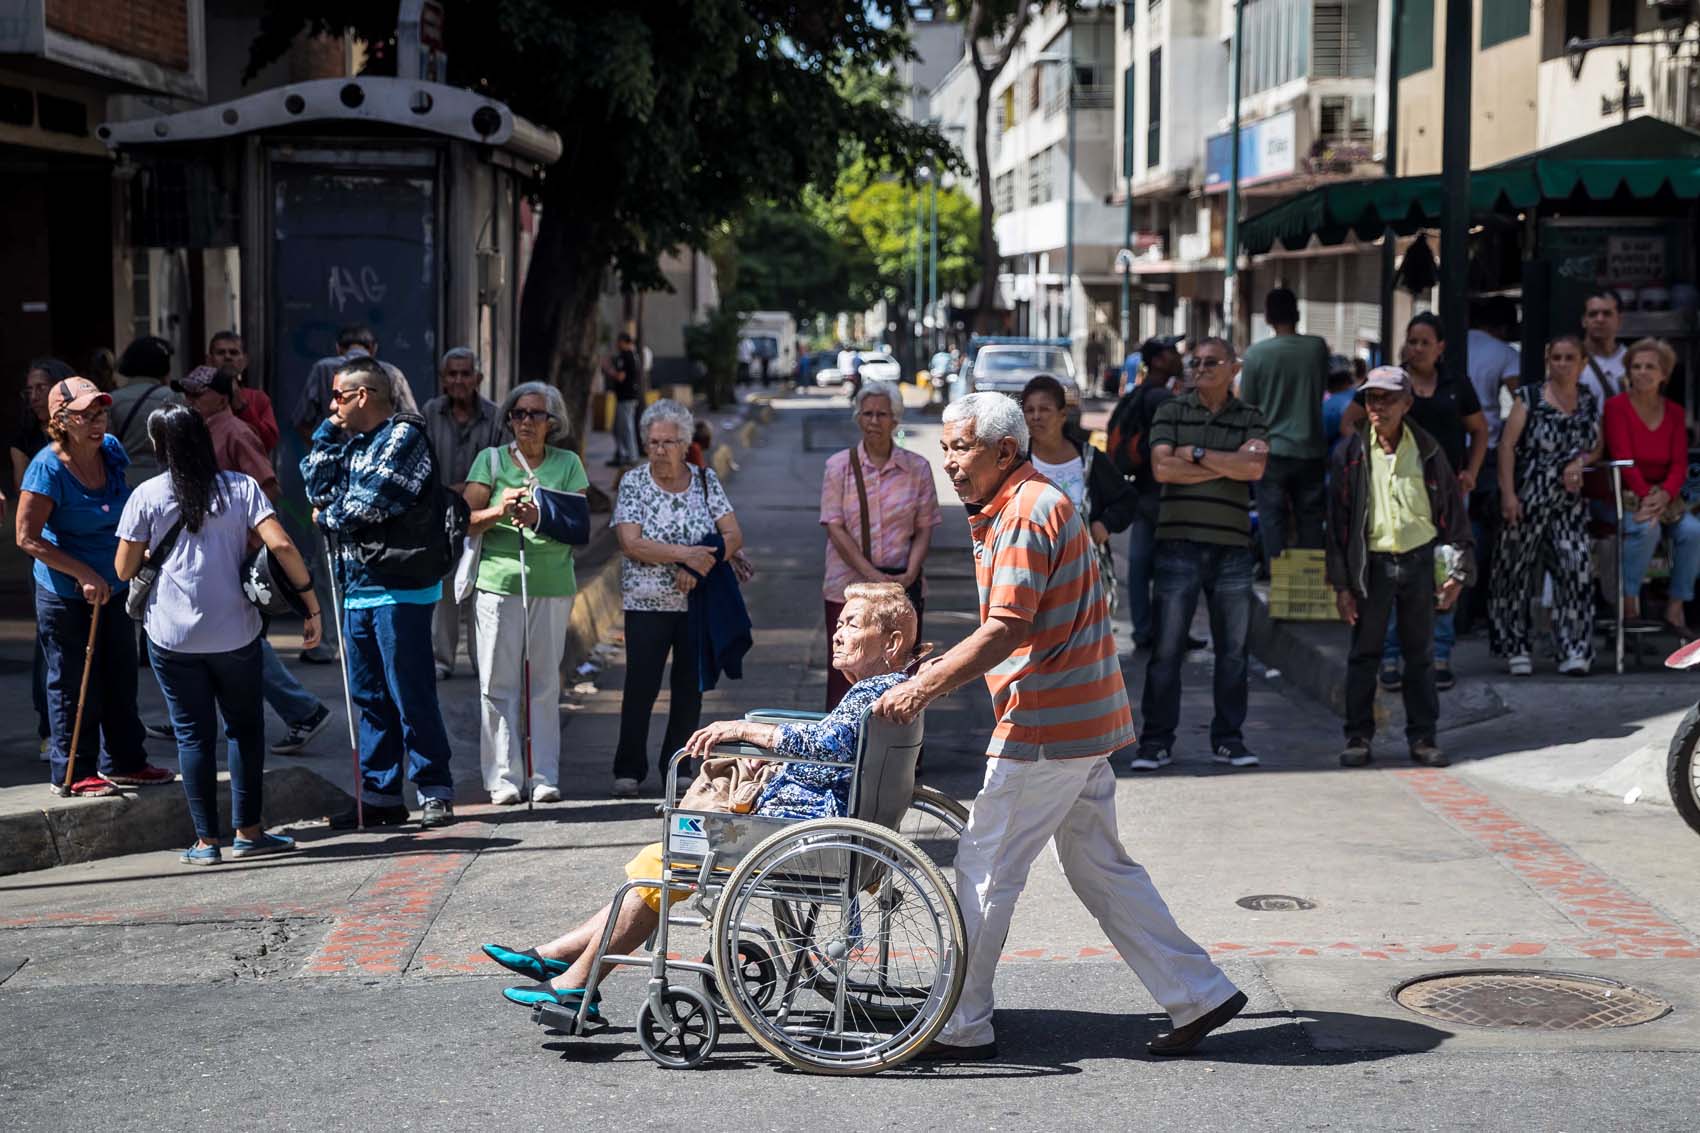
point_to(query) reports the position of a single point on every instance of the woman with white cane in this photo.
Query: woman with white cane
(525, 588)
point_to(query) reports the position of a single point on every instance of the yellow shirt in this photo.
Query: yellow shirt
(1399, 519)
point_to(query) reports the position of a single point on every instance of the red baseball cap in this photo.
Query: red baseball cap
(75, 395)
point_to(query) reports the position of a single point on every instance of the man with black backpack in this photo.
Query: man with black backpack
(370, 478)
(1130, 449)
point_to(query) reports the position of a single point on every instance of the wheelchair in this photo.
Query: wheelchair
(835, 944)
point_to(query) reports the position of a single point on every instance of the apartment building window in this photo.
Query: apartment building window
(1154, 99)
(1416, 37)
(1129, 9)
(1621, 19)
(1503, 21)
(1128, 91)
(1277, 43)
(1003, 193)
(1342, 39)
(1042, 176)
(1576, 19)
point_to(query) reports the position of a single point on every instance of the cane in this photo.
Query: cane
(525, 659)
(347, 691)
(82, 695)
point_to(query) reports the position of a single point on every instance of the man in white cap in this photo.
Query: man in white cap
(1394, 507)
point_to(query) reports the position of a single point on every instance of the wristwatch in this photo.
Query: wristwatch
(1197, 454)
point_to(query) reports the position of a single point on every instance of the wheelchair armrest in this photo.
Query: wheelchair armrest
(783, 715)
(750, 751)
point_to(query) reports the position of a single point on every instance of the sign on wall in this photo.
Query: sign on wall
(1268, 149)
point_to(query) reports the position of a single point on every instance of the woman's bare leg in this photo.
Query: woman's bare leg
(568, 945)
(632, 927)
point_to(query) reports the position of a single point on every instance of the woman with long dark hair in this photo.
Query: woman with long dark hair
(204, 632)
(30, 439)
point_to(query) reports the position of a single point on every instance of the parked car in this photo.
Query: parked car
(810, 365)
(1006, 365)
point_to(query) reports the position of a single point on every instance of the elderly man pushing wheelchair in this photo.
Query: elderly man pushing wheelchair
(1045, 648)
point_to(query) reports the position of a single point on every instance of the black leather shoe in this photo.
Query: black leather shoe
(1357, 753)
(436, 812)
(944, 1052)
(375, 816)
(1181, 1040)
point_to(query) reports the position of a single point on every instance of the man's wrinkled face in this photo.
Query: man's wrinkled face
(227, 354)
(460, 380)
(974, 467)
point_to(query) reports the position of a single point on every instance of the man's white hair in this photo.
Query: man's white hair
(994, 416)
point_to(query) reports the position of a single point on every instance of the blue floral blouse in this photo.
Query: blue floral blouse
(802, 790)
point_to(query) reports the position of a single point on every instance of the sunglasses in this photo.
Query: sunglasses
(1197, 363)
(521, 416)
(338, 396)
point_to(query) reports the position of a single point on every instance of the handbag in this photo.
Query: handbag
(723, 784)
(136, 599)
(913, 590)
(466, 569)
(742, 568)
(1675, 508)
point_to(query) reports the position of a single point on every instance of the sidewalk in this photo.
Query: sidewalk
(39, 830)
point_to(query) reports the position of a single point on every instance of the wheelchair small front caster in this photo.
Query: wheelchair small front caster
(685, 1033)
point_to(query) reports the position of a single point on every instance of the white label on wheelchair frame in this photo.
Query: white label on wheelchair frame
(685, 835)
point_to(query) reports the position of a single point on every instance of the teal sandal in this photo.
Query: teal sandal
(528, 963)
(569, 998)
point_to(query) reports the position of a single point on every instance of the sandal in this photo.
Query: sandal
(570, 998)
(527, 963)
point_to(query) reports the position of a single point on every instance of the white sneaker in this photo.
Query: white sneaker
(1145, 760)
(505, 795)
(1520, 666)
(625, 788)
(545, 793)
(1574, 666)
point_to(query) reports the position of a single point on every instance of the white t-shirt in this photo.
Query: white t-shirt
(197, 604)
(1491, 363)
(1609, 364)
(1070, 476)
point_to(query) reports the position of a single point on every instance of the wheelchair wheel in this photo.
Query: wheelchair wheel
(755, 968)
(934, 822)
(869, 946)
(686, 1032)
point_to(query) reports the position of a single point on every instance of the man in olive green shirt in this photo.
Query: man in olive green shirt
(1287, 377)
(1396, 521)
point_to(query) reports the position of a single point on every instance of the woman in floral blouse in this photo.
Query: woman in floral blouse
(872, 645)
(665, 511)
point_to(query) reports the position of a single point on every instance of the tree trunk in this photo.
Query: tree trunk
(557, 338)
(988, 235)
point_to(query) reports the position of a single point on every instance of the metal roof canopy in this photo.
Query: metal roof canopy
(1643, 157)
(406, 103)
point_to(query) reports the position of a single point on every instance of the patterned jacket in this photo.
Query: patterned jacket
(365, 478)
(1348, 509)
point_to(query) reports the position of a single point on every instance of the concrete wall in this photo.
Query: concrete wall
(1503, 97)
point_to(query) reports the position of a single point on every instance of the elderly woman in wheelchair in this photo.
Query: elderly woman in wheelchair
(871, 646)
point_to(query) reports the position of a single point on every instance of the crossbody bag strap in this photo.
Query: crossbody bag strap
(862, 497)
(159, 554)
(135, 409)
(1606, 383)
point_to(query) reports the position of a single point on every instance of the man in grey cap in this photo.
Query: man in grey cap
(1396, 523)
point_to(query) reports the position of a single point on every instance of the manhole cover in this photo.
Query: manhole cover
(1535, 1001)
(1275, 903)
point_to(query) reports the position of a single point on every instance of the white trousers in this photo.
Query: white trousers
(500, 638)
(1020, 807)
(447, 619)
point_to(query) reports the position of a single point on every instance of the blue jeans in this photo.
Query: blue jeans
(38, 690)
(1141, 545)
(1182, 569)
(1445, 637)
(282, 691)
(392, 677)
(198, 687)
(1641, 539)
(109, 708)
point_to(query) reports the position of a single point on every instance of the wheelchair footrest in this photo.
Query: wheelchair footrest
(564, 1019)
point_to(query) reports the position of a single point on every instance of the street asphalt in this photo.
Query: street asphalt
(341, 986)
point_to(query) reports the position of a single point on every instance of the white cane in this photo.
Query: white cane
(347, 691)
(525, 630)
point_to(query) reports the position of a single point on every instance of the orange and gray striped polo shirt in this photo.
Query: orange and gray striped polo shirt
(1060, 695)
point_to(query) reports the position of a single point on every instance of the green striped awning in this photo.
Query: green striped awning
(1642, 158)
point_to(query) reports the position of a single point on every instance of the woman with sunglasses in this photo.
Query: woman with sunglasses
(498, 490)
(70, 499)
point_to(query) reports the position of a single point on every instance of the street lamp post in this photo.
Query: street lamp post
(925, 174)
(933, 266)
(1068, 213)
(1231, 262)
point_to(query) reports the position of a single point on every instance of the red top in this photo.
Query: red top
(257, 414)
(1660, 455)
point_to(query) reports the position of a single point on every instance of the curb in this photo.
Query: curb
(148, 818)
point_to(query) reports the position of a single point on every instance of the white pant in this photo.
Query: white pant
(500, 637)
(446, 620)
(1020, 807)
